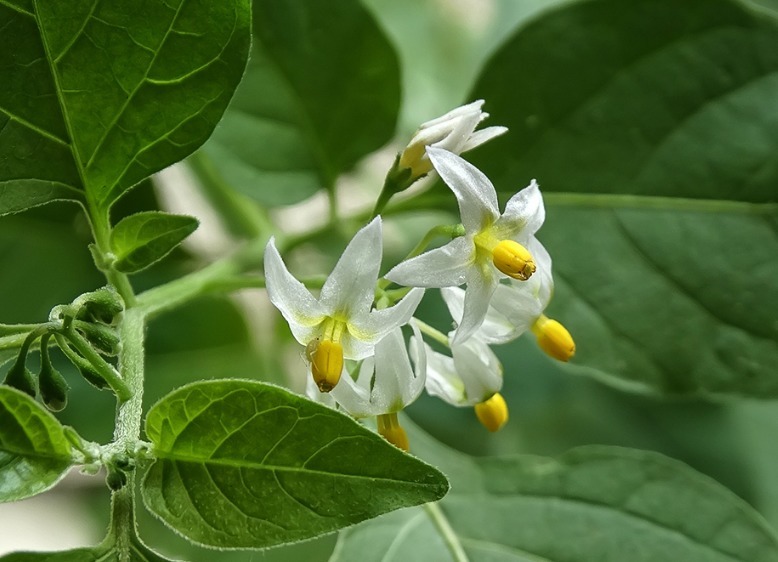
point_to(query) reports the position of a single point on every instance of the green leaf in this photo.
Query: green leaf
(138, 553)
(18, 195)
(145, 238)
(312, 103)
(83, 83)
(661, 131)
(34, 452)
(243, 464)
(592, 503)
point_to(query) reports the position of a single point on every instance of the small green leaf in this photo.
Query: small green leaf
(607, 504)
(311, 104)
(96, 96)
(34, 452)
(145, 238)
(242, 464)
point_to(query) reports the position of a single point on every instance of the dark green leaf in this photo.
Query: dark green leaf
(138, 553)
(654, 97)
(34, 452)
(312, 103)
(242, 464)
(145, 238)
(83, 84)
(630, 108)
(592, 503)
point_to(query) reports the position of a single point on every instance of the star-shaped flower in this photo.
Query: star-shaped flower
(492, 248)
(341, 323)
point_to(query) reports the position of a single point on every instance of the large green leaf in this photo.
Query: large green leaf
(104, 553)
(95, 96)
(243, 464)
(322, 90)
(592, 503)
(145, 238)
(34, 452)
(657, 119)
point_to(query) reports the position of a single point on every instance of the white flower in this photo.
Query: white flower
(386, 382)
(340, 324)
(470, 376)
(493, 245)
(454, 131)
(514, 307)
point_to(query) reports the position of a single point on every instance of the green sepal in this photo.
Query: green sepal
(51, 384)
(102, 305)
(104, 338)
(84, 367)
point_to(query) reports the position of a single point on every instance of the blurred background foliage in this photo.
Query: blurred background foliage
(441, 47)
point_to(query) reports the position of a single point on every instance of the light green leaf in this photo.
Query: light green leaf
(145, 238)
(592, 503)
(243, 464)
(661, 131)
(34, 452)
(312, 102)
(83, 83)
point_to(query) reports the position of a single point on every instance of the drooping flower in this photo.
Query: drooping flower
(472, 376)
(341, 323)
(493, 246)
(386, 383)
(454, 131)
(517, 307)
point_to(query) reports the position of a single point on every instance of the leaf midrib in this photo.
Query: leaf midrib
(229, 463)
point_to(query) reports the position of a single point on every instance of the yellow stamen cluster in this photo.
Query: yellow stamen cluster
(553, 338)
(391, 430)
(326, 357)
(492, 413)
(513, 259)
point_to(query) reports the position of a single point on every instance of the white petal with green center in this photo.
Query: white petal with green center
(350, 288)
(474, 192)
(446, 266)
(296, 303)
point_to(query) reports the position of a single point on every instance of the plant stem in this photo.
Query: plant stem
(434, 333)
(449, 536)
(106, 370)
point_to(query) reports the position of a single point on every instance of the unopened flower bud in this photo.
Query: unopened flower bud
(326, 359)
(390, 429)
(513, 259)
(492, 413)
(52, 385)
(553, 338)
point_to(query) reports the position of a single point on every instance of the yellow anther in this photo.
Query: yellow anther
(326, 359)
(492, 413)
(513, 259)
(391, 430)
(553, 338)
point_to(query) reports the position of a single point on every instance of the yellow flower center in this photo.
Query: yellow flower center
(492, 413)
(326, 356)
(508, 256)
(553, 338)
(391, 430)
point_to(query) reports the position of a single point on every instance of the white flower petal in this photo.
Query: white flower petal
(496, 328)
(442, 267)
(298, 306)
(354, 397)
(350, 288)
(480, 289)
(370, 329)
(474, 192)
(470, 108)
(479, 368)
(312, 391)
(443, 380)
(480, 137)
(524, 215)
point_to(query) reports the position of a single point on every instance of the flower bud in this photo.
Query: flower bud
(492, 413)
(513, 259)
(102, 305)
(326, 359)
(103, 338)
(553, 338)
(51, 383)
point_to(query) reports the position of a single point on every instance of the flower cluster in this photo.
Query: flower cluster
(359, 358)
